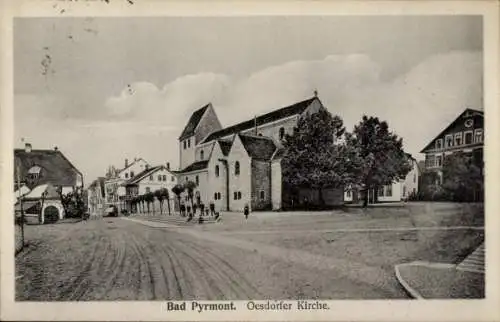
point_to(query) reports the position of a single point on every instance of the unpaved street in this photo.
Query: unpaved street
(304, 256)
(116, 259)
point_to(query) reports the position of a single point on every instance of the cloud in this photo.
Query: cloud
(144, 120)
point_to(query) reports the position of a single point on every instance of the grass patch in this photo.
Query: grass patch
(443, 283)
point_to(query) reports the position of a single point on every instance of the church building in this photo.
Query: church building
(239, 165)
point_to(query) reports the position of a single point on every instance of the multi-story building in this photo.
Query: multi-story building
(240, 165)
(465, 134)
(150, 180)
(113, 185)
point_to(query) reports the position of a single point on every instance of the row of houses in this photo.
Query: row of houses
(241, 164)
(119, 187)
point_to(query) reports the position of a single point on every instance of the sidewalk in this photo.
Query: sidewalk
(423, 280)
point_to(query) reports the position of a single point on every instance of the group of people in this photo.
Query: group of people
(190, 212)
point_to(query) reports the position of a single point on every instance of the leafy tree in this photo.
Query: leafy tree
(189, 186)
(314, 156)
(149, 197)
(178, 189)
(162, 194)
(381, 156)
(462, 178)
(166, 196)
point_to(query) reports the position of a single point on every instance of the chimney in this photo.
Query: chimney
(168, 165)
(27, 147)
(56, 148)
(126, 163)
(315, 93)
(147, 166)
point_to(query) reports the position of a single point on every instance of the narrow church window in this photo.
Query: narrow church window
(282, 133)
(235, 196)
(215, 195)
(217, 170)
(197, 180)
(189, 143)
(237, 168)
(184, 144)
(262, 195)
(218, 195)
(239, 195)
(202, 155)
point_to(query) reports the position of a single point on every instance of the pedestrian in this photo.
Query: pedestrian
(188, 209)
(183, 210)
(212, 208)
(246, 211)
(202, 209)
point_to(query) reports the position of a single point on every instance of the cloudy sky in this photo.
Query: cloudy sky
(106, 89)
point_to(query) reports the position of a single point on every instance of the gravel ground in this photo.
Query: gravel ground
(115, 259)
(289, 256)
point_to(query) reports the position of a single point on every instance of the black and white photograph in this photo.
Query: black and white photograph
(258, 163)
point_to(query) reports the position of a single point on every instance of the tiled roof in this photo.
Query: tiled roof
(278, 114)
(141, 175)
(199, 165)
(225, 146)
(56, 168)
(258, 147)
(193, 122)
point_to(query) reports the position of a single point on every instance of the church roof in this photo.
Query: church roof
(199, 165)
(258, 147)
(225, 146)
(193, 122)
(294, 109)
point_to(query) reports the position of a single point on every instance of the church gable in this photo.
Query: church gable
(209, 123)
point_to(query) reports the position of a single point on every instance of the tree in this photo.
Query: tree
(166, 196)
(189, 186)
(149, 197)
(178, 189)
(313, 156)
(381, 159)
(162, 194)
(462, 178)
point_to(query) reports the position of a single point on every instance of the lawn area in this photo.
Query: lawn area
(443, 283)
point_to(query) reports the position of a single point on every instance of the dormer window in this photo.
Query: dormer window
(34, 172)
(439, 144)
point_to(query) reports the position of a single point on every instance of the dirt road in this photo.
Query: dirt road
(117, 259)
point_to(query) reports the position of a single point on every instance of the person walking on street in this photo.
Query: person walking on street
(212, 208)
(246, 211)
